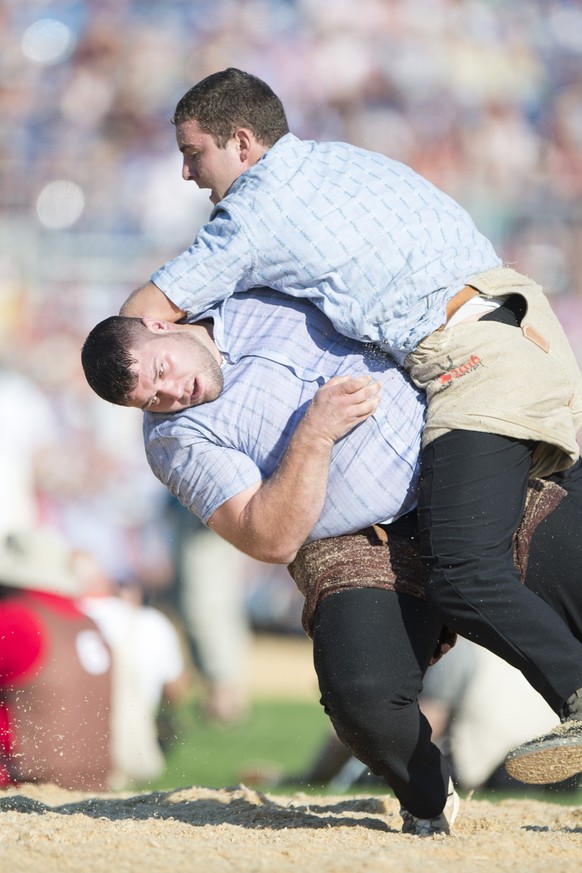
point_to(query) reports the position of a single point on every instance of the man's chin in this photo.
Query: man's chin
(210, 392)
(212, 395)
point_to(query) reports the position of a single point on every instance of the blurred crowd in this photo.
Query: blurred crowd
(484, 97)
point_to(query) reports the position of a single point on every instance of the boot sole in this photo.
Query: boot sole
(546, 761)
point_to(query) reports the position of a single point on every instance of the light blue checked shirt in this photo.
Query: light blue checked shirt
(278, 352)
(374, 245)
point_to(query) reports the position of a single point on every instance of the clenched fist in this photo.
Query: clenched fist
(341, 404)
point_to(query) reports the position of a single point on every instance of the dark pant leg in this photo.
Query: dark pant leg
(471, 501)
(554, 568)
(371, 648)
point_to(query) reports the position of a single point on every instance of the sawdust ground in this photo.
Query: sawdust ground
(44, 829)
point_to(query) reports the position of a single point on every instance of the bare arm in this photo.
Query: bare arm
(272, 520)
(149, 300)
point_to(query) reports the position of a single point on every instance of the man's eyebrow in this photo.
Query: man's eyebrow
(155, 376)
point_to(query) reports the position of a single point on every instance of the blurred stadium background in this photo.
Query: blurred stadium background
(484, 97)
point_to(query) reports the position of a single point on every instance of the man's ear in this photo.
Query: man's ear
(157, 325)
(249, 149)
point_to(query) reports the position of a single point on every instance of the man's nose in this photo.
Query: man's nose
(174, 390)
(187, 173)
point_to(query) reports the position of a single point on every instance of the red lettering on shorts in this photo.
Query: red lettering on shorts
(462, 370)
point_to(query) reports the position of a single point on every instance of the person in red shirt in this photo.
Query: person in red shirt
(55, 670)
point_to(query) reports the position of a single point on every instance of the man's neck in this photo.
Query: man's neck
(204, 331)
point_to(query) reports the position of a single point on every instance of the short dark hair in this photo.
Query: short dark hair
(109, 366)
(232, 98)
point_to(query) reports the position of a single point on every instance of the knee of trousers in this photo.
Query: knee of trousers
(364, 713)
(382, 739)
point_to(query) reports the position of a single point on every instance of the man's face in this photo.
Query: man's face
(207, 164)
(175, 370)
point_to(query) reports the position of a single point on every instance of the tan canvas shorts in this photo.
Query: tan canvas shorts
(494, 378)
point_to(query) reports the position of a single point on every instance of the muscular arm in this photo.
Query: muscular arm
(272, 520)
(149, 300)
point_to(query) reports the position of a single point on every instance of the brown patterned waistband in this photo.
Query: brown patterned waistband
(374, 558)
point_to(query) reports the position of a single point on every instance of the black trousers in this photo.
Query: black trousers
(372, 648)
(471, 501)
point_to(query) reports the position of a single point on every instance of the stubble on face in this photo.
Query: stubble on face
(176, 371)
(207, 371)
(206, 163)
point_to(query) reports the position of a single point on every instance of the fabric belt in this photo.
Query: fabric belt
(460, 298)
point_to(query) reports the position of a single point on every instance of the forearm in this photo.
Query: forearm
(149, 300)
(272, 520)
(277, 520)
